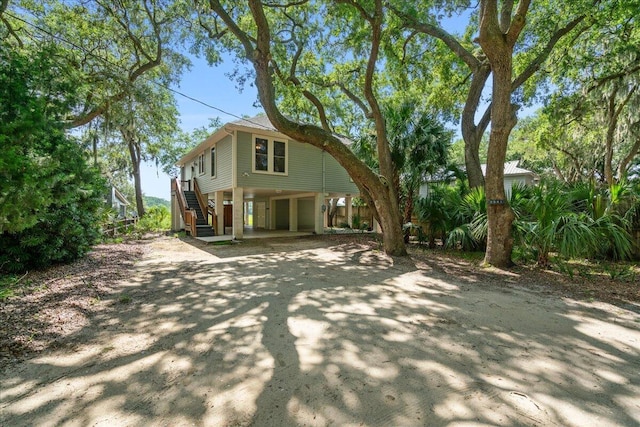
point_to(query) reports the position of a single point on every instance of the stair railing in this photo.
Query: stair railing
(214, 218)
(204, 206)
(188, 215)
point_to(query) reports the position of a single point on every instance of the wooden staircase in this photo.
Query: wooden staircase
(203, 229)
(191, 205)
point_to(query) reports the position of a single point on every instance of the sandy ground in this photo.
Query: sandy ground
(310, 332)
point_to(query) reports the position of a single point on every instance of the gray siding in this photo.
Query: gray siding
(337, 179)
(304, 165)
(224, 163)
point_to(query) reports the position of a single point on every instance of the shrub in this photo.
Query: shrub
(49, 197)
(157, 218)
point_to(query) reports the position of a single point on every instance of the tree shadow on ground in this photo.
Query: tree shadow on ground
(332, 336)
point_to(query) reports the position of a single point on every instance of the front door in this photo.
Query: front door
(259, 215)
(228, 215)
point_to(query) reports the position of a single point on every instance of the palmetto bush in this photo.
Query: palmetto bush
(579, 221)
(455, 215)
(471, 229)
(582, 220)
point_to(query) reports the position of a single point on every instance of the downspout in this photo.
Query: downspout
(234, 156)
(324, 189)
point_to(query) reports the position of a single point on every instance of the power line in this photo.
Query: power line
(107, 61)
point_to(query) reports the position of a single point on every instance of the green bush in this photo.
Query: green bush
(49, 197)
(157, 218)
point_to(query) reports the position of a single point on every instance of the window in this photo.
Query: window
(262, 157)
(269, 156)
(201, 165)
(279, 156)
(213, 162)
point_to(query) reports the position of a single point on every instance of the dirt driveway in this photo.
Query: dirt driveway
(319, 332)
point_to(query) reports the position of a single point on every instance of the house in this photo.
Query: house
(513, 174)
(117, 201)
(249, 175)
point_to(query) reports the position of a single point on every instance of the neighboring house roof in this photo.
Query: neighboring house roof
(259, 123)
(510, 169)
(123, 200)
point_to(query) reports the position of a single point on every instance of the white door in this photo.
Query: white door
(259, 214)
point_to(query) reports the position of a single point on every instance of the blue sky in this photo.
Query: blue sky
(209, 85)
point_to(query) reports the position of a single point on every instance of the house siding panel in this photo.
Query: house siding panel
(304, 167)
(224, 163)
(337, 179)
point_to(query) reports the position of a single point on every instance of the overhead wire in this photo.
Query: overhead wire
(107, 61)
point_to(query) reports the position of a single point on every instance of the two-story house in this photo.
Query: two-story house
(249, 175)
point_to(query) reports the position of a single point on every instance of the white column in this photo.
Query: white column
(238, 217)
(293, 214)
(219, 201)
(318, 214)
(348, 209)
(325, 215)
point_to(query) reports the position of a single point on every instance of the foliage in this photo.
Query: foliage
(454, 215)
(49, 196)
(31, 150)
(150, 201)
(583, 220)
(419, 146)
(578, 221)
(157, 218)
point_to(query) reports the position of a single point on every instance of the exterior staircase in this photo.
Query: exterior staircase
(203, 228)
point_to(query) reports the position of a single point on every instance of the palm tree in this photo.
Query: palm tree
(419, 146)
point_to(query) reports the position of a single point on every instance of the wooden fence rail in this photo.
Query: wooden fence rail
(119, 226)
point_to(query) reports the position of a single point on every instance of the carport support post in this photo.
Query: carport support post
(293, 214)
(219, 201)
(319, 214)
(348, 210)
(238, 214)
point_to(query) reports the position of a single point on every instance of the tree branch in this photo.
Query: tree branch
(544, 54)
(437, 32)
(518, 22)
(505, 15)
(286, 5)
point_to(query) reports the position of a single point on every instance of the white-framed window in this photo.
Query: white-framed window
(201, 166)
(270, 155)
(213, 162)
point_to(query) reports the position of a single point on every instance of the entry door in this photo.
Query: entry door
(259, 214)
(228, 215)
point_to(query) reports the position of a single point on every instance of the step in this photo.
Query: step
(204, 231)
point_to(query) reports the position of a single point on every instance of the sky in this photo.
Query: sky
(211, 86)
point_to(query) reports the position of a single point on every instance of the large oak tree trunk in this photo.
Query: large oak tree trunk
(498, 35)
